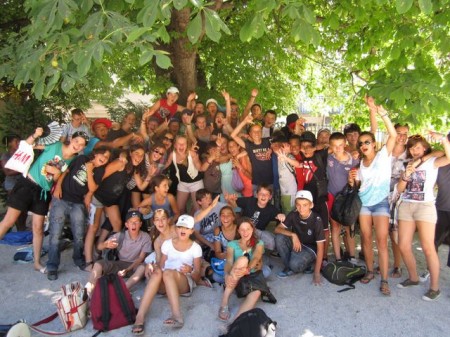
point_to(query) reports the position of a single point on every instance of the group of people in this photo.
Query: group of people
(196, 187)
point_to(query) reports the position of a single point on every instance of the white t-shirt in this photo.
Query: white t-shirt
(176, 259)
(287, 179)
(375, 179)
(420, 188)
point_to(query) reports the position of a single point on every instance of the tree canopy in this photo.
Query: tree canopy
(395, 50)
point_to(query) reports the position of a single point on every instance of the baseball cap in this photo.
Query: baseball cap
(185, 221)
(308, 136)
(104, 121)
(292, 118)
(303, 194)
(173, 90)
(133, 213)
(211, 100)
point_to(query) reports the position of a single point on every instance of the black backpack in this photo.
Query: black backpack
(346, 206)
(343, 273)
(252, 323)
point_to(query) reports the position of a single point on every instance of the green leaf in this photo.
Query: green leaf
(212, 27)
(403, 6)
(52, 83)
(84, 63)
(334, 21)
(194, 29)
(67, 84)
(246, 32)
(163, 34)
(309, 15)
(86, 6)
(197, 3)
(136, 33)
(426, 6)
(163, 61)
(179, 4)
(38, 89)
(146, 57)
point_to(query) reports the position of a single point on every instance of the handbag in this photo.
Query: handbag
(71, 308)
(22, 159)
(112, 254)
(346, 206)
(255, 281)
(236, 181)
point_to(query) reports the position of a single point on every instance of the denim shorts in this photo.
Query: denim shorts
(380, 209)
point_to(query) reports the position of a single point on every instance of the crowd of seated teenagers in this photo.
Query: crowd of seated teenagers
(264, 158)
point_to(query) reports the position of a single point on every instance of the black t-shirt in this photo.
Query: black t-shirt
(260, 216)
(74, 185)
(309, 230)
(261, 159)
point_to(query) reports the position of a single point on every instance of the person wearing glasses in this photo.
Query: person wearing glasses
(32, 193)
(417, 210)
(373, 178)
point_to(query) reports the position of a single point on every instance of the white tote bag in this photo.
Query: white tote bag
(22, 159)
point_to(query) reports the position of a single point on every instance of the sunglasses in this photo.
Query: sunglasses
(367, 142)
(168, 139)
(156, 151)
(81, 134)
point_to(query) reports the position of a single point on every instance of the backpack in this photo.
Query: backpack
(346, 206)
(252, 323)
(111, 304)
(343, 273)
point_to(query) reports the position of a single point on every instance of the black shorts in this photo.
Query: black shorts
(29, 196)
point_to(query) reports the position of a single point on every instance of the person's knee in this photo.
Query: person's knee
(169, 274)
(281, 241)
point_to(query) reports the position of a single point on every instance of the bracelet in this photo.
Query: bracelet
(386, 114)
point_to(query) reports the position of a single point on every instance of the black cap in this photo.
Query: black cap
(291, 118)
(133, 213)
(308, 136)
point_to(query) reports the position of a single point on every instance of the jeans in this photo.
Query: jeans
(296, 261)
(266, 237)
(78, 219)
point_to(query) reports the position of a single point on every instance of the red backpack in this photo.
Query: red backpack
(111, 304)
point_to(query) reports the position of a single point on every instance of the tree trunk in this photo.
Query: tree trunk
(183, 55)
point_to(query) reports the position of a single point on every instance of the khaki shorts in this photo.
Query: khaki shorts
(417, 211)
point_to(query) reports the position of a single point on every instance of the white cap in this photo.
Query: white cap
(185, 221)
(173, 90)
(211, 100)
(303, 194)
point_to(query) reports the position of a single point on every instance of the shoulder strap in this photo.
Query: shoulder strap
(121, 238)
(122, 300)
(106, 315)
(46, 320)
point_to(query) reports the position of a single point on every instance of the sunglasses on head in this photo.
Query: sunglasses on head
(367, 142)
(160, 153)
(169, 139)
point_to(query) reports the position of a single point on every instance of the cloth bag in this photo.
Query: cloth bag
(22, 159)
(236, 181)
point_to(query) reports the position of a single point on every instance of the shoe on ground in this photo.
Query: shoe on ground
(285, 273)
(407, 283)
(431, 295)
(354, 261)
(424, 276)
(52, 275)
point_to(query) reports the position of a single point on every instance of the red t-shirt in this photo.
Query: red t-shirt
(165, 110)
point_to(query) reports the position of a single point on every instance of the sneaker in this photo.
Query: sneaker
(309, 270)
(285, 273)
(52, 275)
(407, 283)
(353, 260)
(431, 295)
(424, 276)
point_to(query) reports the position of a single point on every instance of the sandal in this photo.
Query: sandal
(384, 288)
(396, 272)
(137, 329)
(368, 277)
(173, 323)
(224, 313)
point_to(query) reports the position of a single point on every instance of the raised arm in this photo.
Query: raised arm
(235, 133)
(392, 133)
(250, 102)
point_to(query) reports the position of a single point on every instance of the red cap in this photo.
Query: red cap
(104, 121)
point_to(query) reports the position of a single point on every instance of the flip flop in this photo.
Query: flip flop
(368, 277)
(173, 323)
(137, 329)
